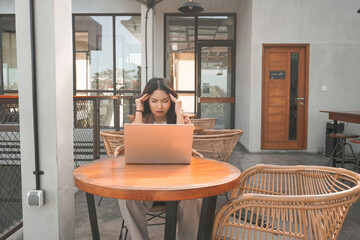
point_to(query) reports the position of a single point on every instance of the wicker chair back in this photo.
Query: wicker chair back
(288, 202)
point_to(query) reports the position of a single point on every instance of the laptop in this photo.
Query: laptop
(158, 143)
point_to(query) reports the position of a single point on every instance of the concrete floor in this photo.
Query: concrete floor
(109, 217)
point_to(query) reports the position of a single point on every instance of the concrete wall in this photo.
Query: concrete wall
(243, 70)
(331, 27)
(53, 48)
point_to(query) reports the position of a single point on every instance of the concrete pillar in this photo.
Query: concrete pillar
(53, 34)
(150, 45)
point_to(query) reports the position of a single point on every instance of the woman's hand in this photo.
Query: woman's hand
(178, 105)
(139, 102)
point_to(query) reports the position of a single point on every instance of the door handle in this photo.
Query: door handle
(300, 98)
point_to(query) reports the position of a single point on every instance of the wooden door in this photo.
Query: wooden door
(284, 97)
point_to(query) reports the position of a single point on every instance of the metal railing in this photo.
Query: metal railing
(92, 114)
(10, 167)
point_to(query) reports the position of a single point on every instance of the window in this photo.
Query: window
(107, 54)
(8, 59)
(199, 61)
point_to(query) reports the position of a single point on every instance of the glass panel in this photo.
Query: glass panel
(127, 107)
(128, 53)
(187, 102)
(9, 60)
(216, 28)
(94, 53)
(294, 65)
(221, 111)
(82, 71)
(180, 52)
(215, 72)
(107, 113)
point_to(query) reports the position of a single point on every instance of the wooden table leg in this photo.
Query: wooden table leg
(207, 218)
(92, 215)
(170, 220)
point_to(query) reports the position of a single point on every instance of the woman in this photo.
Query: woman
(158, 104)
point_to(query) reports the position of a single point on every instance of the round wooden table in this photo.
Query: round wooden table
(203, 178)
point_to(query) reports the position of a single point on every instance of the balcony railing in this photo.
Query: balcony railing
(92, 114)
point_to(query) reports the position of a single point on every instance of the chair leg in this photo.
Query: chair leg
(334, 153)
(227, 198)
(357, 165)
(152, 216)
(121, 230)
(343, 153)
(158, 215)
(101, 198)
(353, 153)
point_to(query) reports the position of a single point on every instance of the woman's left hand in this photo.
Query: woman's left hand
(178, 105)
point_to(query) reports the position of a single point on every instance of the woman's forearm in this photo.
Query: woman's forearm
(138, 117)
(180, 118)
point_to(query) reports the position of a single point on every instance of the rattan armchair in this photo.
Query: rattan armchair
(204, 123)
(113, 143)
(288, 202)
(217, 144)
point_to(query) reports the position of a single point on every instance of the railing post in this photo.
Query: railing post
(75, 112)
(96, 128)
(117, 113)
(131, 105)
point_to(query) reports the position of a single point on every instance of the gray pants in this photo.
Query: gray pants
(134, 214)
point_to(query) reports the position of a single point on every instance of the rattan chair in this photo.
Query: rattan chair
(204, 123)
(113, 143)
(288, 202)
(217, 144)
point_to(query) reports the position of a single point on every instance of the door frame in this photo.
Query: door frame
(231, 99)
(306, 87)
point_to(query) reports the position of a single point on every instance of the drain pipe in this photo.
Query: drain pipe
(146, 51)
(37, 171)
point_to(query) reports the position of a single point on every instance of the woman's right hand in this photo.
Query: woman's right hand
(139, 102)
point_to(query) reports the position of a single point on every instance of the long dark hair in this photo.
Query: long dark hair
(165, 85)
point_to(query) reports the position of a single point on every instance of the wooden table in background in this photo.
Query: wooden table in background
(348, 116)
(345, 116)
(203, 178)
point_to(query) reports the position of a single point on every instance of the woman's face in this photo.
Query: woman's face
(159, 103)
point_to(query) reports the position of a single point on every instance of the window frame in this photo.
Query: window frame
(197, 44)
(2, 91)
(113, 15)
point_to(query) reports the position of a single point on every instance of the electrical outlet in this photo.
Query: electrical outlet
(35, 198)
